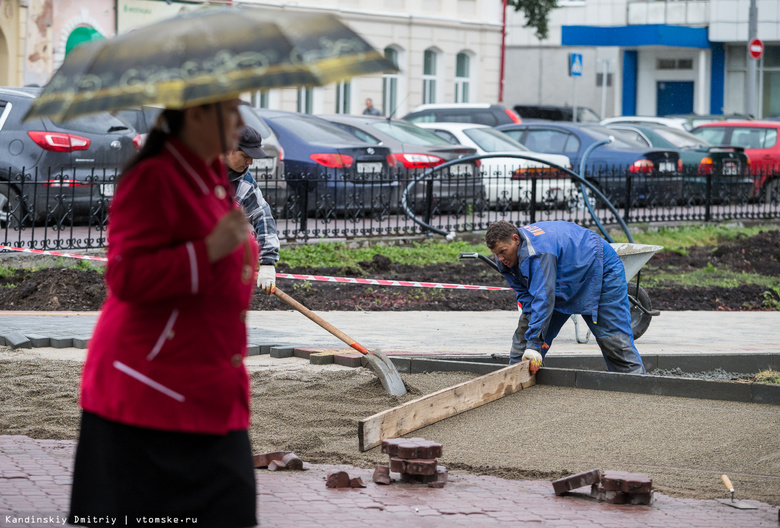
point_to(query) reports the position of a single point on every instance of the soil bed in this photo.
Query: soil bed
(79, 289)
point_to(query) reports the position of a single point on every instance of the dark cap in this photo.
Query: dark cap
(251, 143)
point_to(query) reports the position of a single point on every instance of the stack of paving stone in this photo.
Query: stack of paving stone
(415, 459)
(612, 487)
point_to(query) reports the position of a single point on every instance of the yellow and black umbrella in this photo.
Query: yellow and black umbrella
(206, 56)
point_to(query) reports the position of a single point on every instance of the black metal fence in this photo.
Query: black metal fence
(66, 212)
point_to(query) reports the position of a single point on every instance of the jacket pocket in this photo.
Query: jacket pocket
(165, 335)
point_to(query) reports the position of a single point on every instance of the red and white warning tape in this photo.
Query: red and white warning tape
(319, 278)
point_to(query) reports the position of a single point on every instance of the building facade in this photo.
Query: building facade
(657, 57)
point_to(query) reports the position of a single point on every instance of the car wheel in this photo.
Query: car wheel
(11, 207)
(640, 321)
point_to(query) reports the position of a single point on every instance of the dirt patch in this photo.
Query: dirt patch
(77, 289)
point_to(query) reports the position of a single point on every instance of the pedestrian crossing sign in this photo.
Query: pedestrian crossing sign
(575, 64)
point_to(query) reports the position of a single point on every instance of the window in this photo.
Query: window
(305, 104)
(674, 64)
(343, 91)
(600, 79)
(462, 77)
(260, 99)
(390, 84)
(429, 77)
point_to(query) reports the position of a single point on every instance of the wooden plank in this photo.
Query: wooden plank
(442, 404)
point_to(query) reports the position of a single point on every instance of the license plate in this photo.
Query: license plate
(107, 189)
(370, 168)
(666, 166)
(263, 163)
(462, 169)
(730, 168)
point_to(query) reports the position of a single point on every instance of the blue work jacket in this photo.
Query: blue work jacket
(560, 267)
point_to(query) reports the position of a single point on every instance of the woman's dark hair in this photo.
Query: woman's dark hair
(168, 124)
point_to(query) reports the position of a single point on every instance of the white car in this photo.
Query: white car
(507, 180)
(679, 123)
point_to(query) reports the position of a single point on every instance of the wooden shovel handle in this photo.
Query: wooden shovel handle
(727, 481)
(320, 321)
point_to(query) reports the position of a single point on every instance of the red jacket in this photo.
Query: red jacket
(168, 348)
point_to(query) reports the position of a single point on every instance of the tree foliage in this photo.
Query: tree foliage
(537, 14)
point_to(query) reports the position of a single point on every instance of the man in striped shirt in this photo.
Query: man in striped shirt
(250, 197)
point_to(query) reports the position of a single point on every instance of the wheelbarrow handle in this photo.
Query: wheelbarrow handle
(483, 258)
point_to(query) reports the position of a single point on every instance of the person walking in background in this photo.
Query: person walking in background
(164, 393)
(371, 109)
(249, 196)
(558, 269)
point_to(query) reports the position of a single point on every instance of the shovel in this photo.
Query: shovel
(379, 363)
(734, 504)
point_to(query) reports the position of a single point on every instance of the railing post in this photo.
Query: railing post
(708, 197)
(304, 208)
(627, 205)
(428, 200)
(532, 210)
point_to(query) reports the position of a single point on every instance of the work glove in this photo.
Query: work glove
(266, 279)
(535, 358)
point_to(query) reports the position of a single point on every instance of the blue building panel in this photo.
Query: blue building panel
(630, 79)
(635, 36)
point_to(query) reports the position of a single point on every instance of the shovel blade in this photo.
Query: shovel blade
(738, 504)
(387, 374)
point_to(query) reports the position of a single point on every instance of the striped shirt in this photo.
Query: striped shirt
(250, 197)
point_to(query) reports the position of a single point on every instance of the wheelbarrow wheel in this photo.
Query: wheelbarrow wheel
(640, 320)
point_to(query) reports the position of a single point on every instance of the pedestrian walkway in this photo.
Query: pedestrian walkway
(35, 483)
(443, 333)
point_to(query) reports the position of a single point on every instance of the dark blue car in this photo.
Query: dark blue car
(328, 170)
(656, 174)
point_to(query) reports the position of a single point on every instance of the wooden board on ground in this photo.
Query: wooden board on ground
(442, 404)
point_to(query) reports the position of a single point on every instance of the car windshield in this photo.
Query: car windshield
(316, 130)
(586, 115)
(622, 140)
(491, 140)
(99, 123)
(407, 133)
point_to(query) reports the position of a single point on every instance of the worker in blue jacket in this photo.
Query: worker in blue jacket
(558, 269)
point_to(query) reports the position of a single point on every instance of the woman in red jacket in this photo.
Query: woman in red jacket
(165, 394)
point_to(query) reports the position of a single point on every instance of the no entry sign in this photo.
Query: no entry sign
(756, 48)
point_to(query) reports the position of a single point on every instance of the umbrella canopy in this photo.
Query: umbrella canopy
(206, 56)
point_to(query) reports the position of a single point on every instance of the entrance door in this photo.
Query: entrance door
(674, 97)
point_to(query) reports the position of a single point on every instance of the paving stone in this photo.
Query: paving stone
(356, 482)
(262, 460)
(348, 360)
(562, 485)
(337, 479)
(306, 352)
(281, 351)
(381, 474)
(38, 341)
(81, 342)
(17, 340)
(265, 348)
(321, 358)
(61, 342)
(626, 482)
(288, 461)
(253, 350)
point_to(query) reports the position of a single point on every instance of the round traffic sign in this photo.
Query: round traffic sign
(756, 48)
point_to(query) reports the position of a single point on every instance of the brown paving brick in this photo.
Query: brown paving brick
(390, 446)
(337, 479)
(356, 482)
(289, 461)
(381, 474)
(349, 359)
(306, 352)
(420, 466)
(562, 485)
(262, 460)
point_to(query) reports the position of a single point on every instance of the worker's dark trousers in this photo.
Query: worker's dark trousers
(613, 329)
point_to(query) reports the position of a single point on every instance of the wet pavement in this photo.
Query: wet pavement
(35, 474)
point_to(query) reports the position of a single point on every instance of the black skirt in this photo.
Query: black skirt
(133, 476)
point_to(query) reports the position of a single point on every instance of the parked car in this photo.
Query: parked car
(657, 173)
(508, 180)
(728, 167)
(141, 118)
(694, 120)
(680, 123)
(54, 172)
(759, 139)
(486, 114)
(330, 171)
(268, 172)
(556, 113)
(416, 151)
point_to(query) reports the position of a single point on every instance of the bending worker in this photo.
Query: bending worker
(558, 269)
(249, 196)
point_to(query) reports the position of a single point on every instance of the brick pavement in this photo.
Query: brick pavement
(35, 480)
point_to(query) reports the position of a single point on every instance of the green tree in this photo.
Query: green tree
(537, 14)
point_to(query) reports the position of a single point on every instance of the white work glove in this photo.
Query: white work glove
(535, 358)
(266, 279)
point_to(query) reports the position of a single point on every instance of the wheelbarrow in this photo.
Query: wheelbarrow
(633, 256)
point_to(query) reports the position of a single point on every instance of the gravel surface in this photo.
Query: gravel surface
(543, 432)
